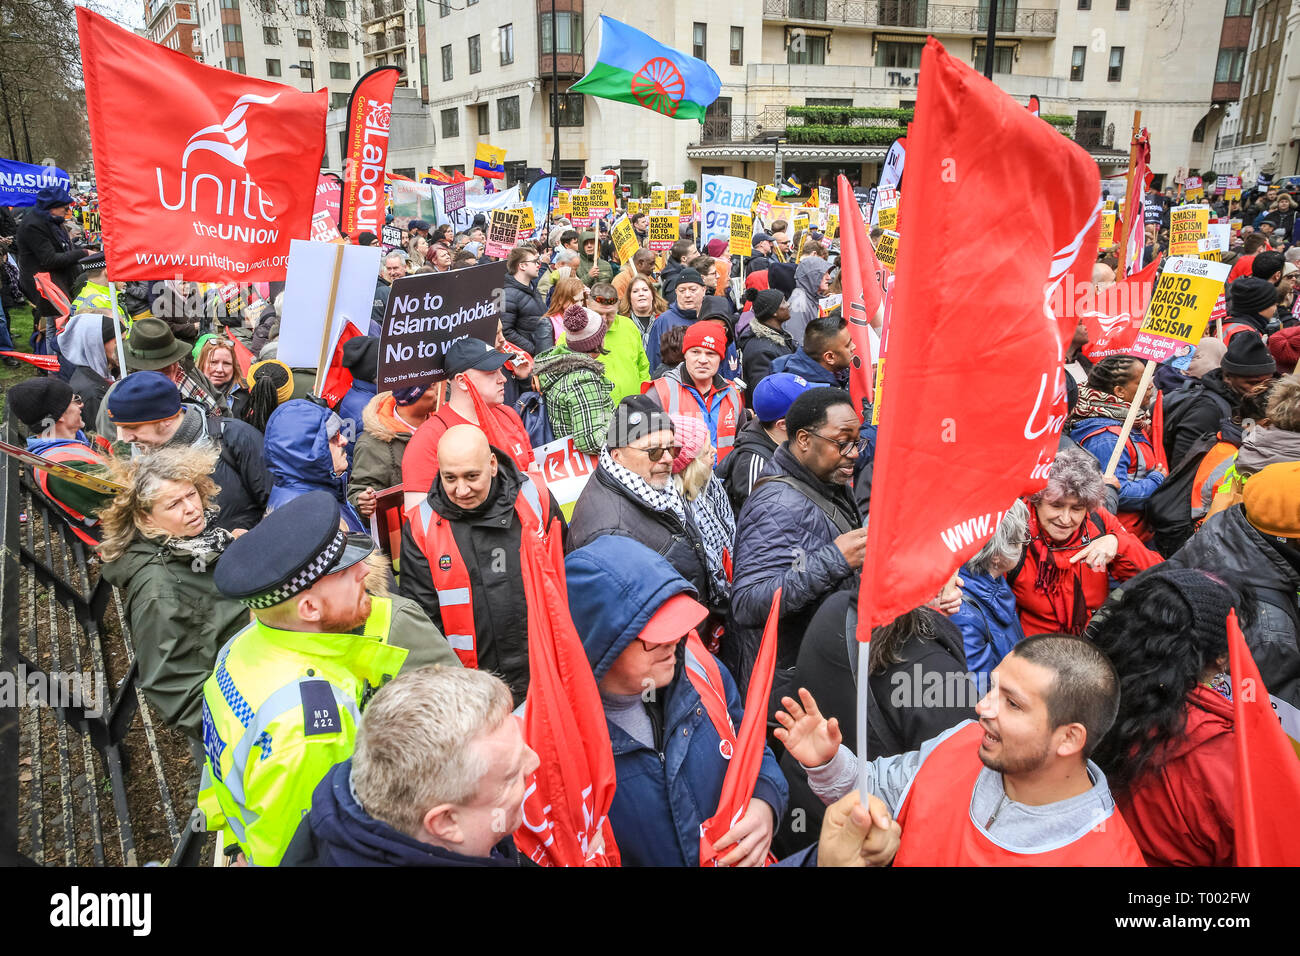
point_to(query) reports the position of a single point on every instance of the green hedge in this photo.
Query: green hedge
(1058, 119)
(847, 135)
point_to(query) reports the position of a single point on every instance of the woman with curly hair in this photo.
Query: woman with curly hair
(1170, 756)
(161, 548)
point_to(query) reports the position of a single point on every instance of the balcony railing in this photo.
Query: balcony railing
(1226, 140)
(379, 42)
(1096, 137)
(915, 15)
(774, 123)
(381, 9)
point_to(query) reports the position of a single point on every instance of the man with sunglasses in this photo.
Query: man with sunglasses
(631, 493)
(799, 530)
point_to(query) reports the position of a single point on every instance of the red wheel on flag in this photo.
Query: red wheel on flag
(659, 86)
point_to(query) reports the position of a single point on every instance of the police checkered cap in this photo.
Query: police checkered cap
(316, 569)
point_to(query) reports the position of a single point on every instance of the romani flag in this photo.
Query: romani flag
(489, 161)
(633, 67)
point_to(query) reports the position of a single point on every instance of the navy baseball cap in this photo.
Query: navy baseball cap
(470, 353)
(774, 395)
(763, 237)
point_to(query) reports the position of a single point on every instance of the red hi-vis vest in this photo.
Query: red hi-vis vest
(433, 536)
(673, 398)
(936, 811)
(1231, 329)
(72, 452)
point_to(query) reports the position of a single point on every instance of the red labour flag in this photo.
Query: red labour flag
(370, 110)
(1114, 316)
(203, 173)
(567, 800)
(975, 393)
(1268, 773)
(862, 280)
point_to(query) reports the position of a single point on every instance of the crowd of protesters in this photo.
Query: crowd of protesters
(1081, 654)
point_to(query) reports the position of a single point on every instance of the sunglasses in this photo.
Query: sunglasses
(654, 454)
(606, 299)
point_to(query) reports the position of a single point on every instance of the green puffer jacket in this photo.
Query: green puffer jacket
(178, 622)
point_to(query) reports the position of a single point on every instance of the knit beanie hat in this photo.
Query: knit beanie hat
(706, 335)
(39, 402)
(766, 302)
(1284, 346)
(281, 379)
(584, 329)
(1252, 294)
(1270, 499)
(361, 357)
(693, 435)
(1208, 598)
(1247, 356)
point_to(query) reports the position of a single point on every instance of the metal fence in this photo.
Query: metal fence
(916, 14)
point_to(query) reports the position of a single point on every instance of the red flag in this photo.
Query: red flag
(748, 748)
(49, 363)
(202, 172)
(53, 293)
(1134, 206)
(1116, 314)
(863, 283)
(244, 359)
(976, 393)
(1268, 773)
(338, 379)
(1033, 106)
(1157, 435)
(370, 109)
(566, 804)
(329, 189)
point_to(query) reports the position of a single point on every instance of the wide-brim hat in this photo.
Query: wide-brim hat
(151, 345)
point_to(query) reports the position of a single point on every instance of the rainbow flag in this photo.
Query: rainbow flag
(489, 161)
(633, 67)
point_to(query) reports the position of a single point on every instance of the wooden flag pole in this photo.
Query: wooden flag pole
(1126, 227)
(1135, 406)
(322, 367)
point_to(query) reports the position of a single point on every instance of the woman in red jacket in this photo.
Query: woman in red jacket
(1170, 755)
(1075, 548)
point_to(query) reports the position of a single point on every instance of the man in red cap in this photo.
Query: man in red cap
(695, 388)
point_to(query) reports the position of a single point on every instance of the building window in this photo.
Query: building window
(1268, 78)
(569, 28)
(339, 101)
(1116, 64)
(828, 101)
(1085, 4)
(572, 171)
(304, 38)
(737, 46)
(1090, 127)
(302, 7)
(235, 64)
(270, 36)
(1240, 8)
(484, 126)
(570, 109)
(444, 8)
(232, 33)
(1230, 66)
(808, 49)
(446, 63)
(506, 39)
(699, 41)
(340, 71)
(450, 123)
(508, 112)
(229, 4)
(1198, 134)
(336, 40)
(809, 10)
(337, 9)
(1002, 57)
(273, 68)
(475, 62)
(1121, 4)
(898, 55)
(1076, 62)
(516, 172)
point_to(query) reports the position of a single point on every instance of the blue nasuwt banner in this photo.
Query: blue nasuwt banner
(20, 182)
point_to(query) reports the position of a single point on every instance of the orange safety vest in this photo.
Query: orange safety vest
(77, 452)
(936, 811)
(433, 536)
(1232, 328)
(1209, 476)
(671, 400)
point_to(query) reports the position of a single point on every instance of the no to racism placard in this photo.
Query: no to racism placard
(1106, 238)
(429, 311)
(663, 230)
(1180, 306)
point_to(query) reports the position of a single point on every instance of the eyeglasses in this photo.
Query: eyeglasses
(606, 299)
(654, 454)
(529, 262)
(78, 400)
(847, 449)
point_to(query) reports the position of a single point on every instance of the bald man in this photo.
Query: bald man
(462, 552)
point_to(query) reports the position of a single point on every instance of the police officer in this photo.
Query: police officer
(282, 704)
(95, 295)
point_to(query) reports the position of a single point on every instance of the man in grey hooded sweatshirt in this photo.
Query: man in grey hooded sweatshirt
(811, 278)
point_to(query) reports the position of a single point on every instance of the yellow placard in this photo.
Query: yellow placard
(581, 199)
(526, 223)
(1180, 306)
(634, 207)
(602, 194)
(624, 237)
(832, 220)
(888, 218)
(1106, 238)
(658, 198)
(674, 194)
(1188, 225)
(685, 211)
(563, 207)
(742, 231)
(663, 230)
(880, 384)
(887, 249)
(780, 210)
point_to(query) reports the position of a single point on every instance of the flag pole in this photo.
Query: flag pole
(117, 332)
(323, 365)
(1126, 227)
(1135, 406)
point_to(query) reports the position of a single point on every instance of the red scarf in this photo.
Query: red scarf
(1056, 577)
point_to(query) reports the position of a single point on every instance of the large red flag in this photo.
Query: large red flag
(202, 173)
(862, 280)
(1114, 316)
(370, 109)
(1266, 826)
(566, 804)
(976, 388)
(748, 749)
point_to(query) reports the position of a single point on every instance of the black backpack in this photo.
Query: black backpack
(1169, 509)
